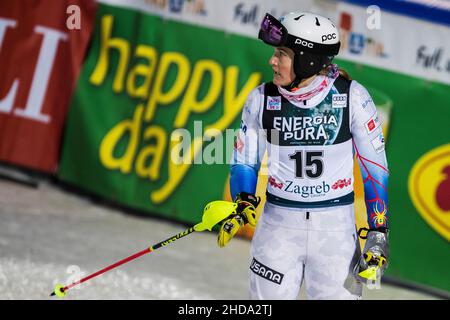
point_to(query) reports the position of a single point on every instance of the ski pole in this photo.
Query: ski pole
(213, 213)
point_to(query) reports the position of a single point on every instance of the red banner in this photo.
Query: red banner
(42, 46)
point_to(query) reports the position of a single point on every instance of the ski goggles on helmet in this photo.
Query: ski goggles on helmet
(274, 33)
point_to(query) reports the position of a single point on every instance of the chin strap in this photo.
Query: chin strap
(332, 72)
(294, 84)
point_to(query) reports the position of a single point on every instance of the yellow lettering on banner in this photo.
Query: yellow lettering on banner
(180, 141)
(157, 95)
(112, 138)
(155, 152)
(177, 171)
(190, 102)
(233, 103)
(107, 43)
(163, 89)
(142, 70)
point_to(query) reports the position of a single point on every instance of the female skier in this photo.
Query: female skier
(312, 120)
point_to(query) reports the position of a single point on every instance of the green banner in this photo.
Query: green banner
(145, 77)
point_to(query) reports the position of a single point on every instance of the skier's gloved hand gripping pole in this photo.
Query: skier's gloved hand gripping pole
(213, 213)
(245, 213)
(374, 259)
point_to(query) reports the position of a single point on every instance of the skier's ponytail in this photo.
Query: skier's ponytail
(344, 73)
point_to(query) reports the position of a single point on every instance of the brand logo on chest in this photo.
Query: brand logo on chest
(273, 103)
(339, 100)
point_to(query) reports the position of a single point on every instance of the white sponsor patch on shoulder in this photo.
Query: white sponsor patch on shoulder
(273, 103)
(339, 100)
(378, 143)
(373, 123)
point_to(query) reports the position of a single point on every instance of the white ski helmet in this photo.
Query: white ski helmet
(313, 38)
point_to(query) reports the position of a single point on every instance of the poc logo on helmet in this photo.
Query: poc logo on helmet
(304, 43)
(329, 36)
